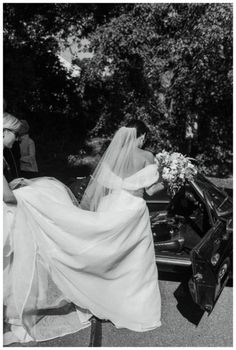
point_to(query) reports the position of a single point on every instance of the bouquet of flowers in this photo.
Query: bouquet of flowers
(175, 169)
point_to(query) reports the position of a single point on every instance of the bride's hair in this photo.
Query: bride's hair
(139, 125)
(11, 122)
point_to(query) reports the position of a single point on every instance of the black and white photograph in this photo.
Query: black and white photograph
(117, 174)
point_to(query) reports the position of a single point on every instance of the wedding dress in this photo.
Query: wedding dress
(64, 264)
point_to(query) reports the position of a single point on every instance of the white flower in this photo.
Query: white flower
(175, 169)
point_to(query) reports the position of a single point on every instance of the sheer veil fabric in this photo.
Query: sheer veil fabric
(63, 264)
(35, 307)
(116, 164)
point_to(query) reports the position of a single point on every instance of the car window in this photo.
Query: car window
(218, 198)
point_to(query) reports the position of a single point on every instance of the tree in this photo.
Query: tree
(162, 62)
(157, 62)
(36, 86)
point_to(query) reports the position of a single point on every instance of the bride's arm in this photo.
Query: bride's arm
(8, 195)
(157, 186)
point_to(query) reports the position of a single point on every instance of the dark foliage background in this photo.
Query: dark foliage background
(158, 62)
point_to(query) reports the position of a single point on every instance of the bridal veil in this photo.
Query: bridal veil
(116, 164)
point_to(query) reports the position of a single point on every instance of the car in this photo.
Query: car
(192, 233)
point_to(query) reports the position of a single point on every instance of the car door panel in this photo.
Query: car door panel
(211, 265)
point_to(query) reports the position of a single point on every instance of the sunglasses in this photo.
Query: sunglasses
(13, 132)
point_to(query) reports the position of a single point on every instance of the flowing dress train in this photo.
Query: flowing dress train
(64, 264)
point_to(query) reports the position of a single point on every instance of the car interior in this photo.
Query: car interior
(182, 224)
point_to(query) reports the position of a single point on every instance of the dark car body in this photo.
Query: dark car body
(193, 232)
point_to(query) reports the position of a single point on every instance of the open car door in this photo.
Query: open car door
(211, 261)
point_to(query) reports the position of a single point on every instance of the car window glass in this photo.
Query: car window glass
(218, 198)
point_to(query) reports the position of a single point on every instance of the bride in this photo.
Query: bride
(64, 263)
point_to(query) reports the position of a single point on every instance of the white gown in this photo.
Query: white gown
(58, 255)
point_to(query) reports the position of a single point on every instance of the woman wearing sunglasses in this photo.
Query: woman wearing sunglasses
(11, 127)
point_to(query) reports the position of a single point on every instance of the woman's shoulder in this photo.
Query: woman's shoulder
(148, 156)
